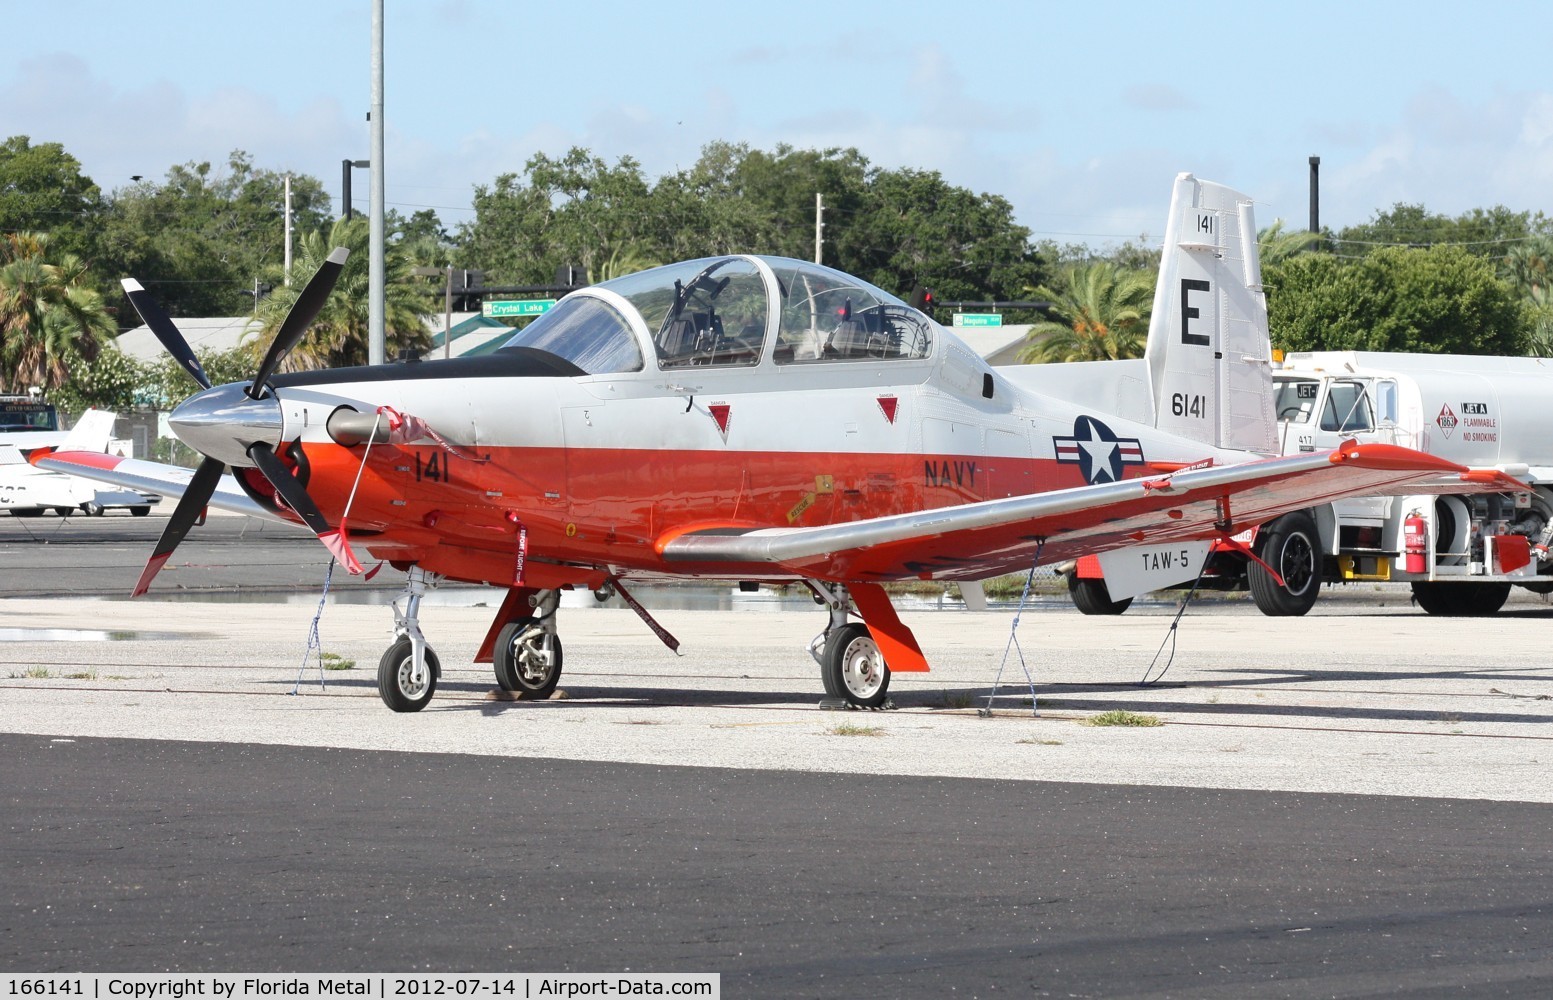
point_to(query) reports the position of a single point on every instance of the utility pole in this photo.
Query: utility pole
(287, 269)
(819, 225)
(376, 308)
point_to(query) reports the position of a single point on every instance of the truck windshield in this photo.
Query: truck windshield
(1296, 399)
(26, 415)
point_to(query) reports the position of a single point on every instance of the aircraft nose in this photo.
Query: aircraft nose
(223, 422)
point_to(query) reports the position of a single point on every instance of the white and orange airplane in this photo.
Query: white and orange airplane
(756, 419)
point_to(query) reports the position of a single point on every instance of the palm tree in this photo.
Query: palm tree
(338, 337)
(1274, 245)
(1528, 266)
(49, 317)
(1101, 313)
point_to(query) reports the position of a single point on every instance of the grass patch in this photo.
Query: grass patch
(35, 673)
(82, 675)
(1122, 717)
(1032, 741)
(954, 699)
(334, 661)
(852, 729)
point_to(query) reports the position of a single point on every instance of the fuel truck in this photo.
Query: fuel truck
(1460, 554)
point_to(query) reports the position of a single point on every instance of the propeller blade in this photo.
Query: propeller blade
(165, 331)
(295, 495)
(201, 487)
(301, 316)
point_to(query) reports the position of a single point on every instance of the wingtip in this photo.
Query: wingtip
(338, 255)
(131, 285)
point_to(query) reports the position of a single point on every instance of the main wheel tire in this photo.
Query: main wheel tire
(393, 677)
(64, 511)
(1093, 597)
(139, 511)
(93, 509)
(1292, 546)
(854, 668)
(1460, 600)
(520, 665)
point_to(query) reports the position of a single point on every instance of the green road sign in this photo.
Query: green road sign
(507, 308)
(978, 319)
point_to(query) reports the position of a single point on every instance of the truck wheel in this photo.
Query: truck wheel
(1460, 600)
(1292, 546)
(1092, 597)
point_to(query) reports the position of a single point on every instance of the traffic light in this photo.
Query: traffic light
(922, 299)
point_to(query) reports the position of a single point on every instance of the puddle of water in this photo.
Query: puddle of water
(82, 635)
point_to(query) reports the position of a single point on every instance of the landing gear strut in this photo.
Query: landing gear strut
(851, 666)
(528, 654)
(408, 672)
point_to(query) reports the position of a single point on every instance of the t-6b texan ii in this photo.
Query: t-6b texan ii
(759, 419)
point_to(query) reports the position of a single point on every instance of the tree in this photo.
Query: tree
(914, 228)
(115, 381)
(50, 318)
(338, 337)
(200, 239)
(1441, 300)
(43, 190)
(1485, 232)
(896, 228)
(573, 210)
(1101, 313)
(1275, 245)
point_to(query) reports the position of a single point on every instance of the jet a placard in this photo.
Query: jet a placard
(756, 418)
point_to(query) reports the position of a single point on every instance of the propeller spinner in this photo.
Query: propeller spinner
(238, 424)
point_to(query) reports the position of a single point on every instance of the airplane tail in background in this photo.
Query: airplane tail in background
(93, 432)
(1209, 359)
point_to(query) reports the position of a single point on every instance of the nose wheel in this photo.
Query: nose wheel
(397, 681)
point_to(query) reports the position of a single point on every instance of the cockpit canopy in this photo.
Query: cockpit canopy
(728, 312)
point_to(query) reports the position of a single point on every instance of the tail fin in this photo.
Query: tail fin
(92, 432)
(1209, 358)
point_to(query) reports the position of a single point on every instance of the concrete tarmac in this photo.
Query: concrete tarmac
(1349, 803)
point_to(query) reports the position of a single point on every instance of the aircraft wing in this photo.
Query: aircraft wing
(979, 540)
(152, 477)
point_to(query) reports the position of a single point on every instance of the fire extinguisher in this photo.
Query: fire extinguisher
(1415, 543)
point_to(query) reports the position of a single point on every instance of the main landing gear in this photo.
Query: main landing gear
(851, 666)
(528, 653)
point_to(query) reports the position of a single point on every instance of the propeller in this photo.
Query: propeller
(162, 325)
(202, 485)
(303, 311)
(190, 506)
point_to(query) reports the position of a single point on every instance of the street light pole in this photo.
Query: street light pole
(376, 340)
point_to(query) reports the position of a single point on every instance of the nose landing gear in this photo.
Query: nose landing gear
(408, 672)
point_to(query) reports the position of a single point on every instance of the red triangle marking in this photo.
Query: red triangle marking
(888, 405)
(720, 413)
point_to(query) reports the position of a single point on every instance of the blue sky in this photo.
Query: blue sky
(1078, 113)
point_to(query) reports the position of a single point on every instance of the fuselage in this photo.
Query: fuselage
(596, 471)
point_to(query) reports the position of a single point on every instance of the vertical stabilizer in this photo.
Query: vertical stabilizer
(1209, 359)
(93, 432)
